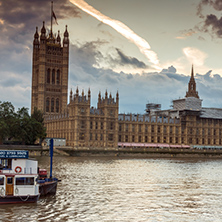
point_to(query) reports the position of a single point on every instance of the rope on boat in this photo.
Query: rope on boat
(25, 198)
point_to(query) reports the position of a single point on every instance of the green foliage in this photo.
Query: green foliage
(20, 126)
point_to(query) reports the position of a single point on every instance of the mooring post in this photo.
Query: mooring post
(51, 155)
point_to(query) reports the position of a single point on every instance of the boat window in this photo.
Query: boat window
(2, 180)
(24, 181)
(6, 163)
(9, 180)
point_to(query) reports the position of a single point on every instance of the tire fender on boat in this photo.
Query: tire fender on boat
(2, 192)
(18, 169)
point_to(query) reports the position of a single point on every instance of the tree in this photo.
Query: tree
(7, 120)
(20, 125)
(38, 120)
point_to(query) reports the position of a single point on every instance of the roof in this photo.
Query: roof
(214, 113)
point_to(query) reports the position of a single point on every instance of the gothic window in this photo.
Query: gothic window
(57, 105)
(52, 105)
(110, 137)
(47, 105)
(48, 76)
(140, 128)
(190, 140)
(91, 125)
(127, 127)
(37, 76)
(58, 77)
(53, 76)
(176, 139)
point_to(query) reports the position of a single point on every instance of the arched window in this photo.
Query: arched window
(47, 105)
(48, 75)
(52, 105)
(58, 77)
(57, 105)
(37, 76)
(53, 76)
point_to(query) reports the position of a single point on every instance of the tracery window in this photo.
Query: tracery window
(48, 75)
(47, 105)
(52, 105)
(58, 77)
(57, 105)
(53, 76)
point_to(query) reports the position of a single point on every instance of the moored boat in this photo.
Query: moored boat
(18, 177)
(47, 186)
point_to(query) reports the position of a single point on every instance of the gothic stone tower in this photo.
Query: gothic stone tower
(50, 72)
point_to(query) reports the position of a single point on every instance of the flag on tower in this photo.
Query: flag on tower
(54, 16)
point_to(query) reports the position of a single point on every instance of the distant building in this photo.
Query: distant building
(81, 125)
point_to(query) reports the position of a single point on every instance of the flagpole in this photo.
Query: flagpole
(51, 16)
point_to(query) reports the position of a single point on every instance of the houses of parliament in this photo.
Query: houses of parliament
(187, 123)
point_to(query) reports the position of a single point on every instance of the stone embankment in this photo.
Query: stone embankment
(121, 152)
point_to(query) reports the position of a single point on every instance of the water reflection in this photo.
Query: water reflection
(114, 189)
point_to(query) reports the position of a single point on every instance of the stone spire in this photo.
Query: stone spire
(192, 86)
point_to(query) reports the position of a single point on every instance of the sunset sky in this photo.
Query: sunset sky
(142, 48)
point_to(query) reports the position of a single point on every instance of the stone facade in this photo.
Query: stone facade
(81, 125)
(50, 72)
(85, 126)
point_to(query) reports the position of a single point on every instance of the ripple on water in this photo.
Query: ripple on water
(112, 189)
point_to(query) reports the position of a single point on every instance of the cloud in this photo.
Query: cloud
(195, 56)
(21, 17)
(186, 33)
(121, 28)
(211, 23)
(132, 61)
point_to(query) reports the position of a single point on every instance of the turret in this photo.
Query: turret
(36, 38)
(43, 33)
(117, 97)
(70, 97)
(58, 39)
(66, 38)
(89, 94)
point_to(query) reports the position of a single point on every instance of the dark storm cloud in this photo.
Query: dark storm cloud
(127, 60)
(211, 23)
(21, 16)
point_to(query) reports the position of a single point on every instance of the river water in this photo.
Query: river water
(127, 189)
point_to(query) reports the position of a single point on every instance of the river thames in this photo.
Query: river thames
(127, 189)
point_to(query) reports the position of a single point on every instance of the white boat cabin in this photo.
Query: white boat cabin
(18, 174)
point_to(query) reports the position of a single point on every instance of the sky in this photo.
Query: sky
(144, 49)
